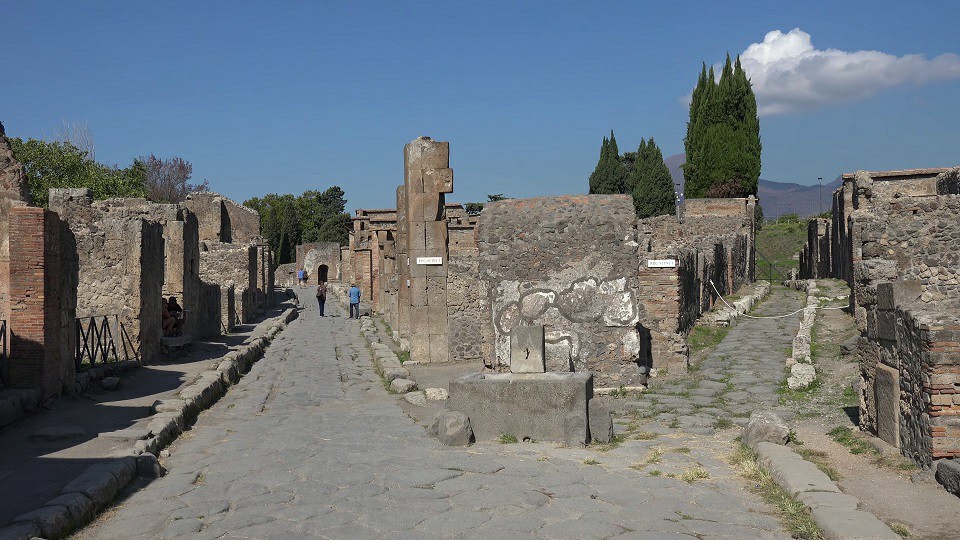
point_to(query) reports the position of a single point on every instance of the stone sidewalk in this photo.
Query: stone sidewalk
(309, 444)
(47, 450)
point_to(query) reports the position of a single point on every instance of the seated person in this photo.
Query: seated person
(178, 315)
(168, 320)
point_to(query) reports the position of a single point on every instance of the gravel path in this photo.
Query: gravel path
(309, 444)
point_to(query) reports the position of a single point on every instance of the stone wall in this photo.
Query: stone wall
(714, 242)
(895, 237)
(223, 220)
(120, 249)
(236, 265)
(816, 257)
(313, 256)
(568, 264)
(585, 278)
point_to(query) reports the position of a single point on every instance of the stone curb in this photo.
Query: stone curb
(385, 359)
(99, 484)
(725, 316)
(835, 512)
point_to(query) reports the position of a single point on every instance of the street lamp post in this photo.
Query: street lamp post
(820, 198)
(677, 195)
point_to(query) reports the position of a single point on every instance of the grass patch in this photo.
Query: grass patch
(704, 337)
(850, 397)
(615, 442)
(692, 474)
(656, 472)
(799, 395)
(723, 423)
(900, 529)
(654, 457)
(778, 242)
(507, 439)
(682, 450)
(403, 356)
(793, 513)
(619, 392)
(819, 459)
(645, 436)
(591, 462)
(848, 438)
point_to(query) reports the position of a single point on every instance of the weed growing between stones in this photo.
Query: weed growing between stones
(645, 436)
(507, 439)
(682, 450)
(900, 529)
(655, 456)
(800, 395)
(857, 445)
(705, 337)
(619, 392)
(723, 423)
(692, 474)
(656, 472)
(403, 356)
(614, 443)
(819, 459)
(846, 437)
(591, 462)
(793, 513)
(850, 397)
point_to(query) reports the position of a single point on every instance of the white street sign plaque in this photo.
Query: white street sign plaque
(430, 260)
(661, 263)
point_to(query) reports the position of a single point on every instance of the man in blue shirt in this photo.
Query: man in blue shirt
(354, 301)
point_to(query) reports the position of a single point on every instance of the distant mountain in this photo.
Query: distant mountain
(777, 198)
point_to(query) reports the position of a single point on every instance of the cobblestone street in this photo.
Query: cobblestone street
(309, 444)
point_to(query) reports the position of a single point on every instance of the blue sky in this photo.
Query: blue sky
(288, 96)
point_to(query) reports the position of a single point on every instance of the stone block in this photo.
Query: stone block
(535, 406)
(439, 348)
(403, 386)
(453, 429)
(413, 183)
(887, 395)
(526, 349)
(78, 506)
(24, 530)
(439, 180)
(886, 325)
(851, 525)
(53, 521)
(765, 426)
(601, 422)
(434, 154)
(948, 475)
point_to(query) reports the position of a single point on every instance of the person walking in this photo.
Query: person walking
(322, 295)
(354, 301)
(301, 278)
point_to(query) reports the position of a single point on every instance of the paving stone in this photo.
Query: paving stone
(851, 525)
(328, 452)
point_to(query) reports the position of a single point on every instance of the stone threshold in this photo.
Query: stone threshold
(83, 498)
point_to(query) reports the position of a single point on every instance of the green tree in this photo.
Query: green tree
(650, 183)
(608, 176)
(62, 165)
(723, 135)
(287, 221)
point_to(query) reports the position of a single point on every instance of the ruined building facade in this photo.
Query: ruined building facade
(84, 262)
(895, 238)
(614, 295)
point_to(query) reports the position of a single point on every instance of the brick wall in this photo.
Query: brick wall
(42, 302)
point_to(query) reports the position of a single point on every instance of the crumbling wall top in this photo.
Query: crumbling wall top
(13, 177)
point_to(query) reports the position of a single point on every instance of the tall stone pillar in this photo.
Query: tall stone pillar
(427, 178)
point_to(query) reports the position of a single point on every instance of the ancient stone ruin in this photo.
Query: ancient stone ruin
(106, 264)
(611, 294)
(894, 237)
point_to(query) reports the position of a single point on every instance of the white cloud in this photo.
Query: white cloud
(789, 74)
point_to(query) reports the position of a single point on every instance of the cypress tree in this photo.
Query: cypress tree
(596, 176)
(651, 183)
(723, 136)
(608, 175)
